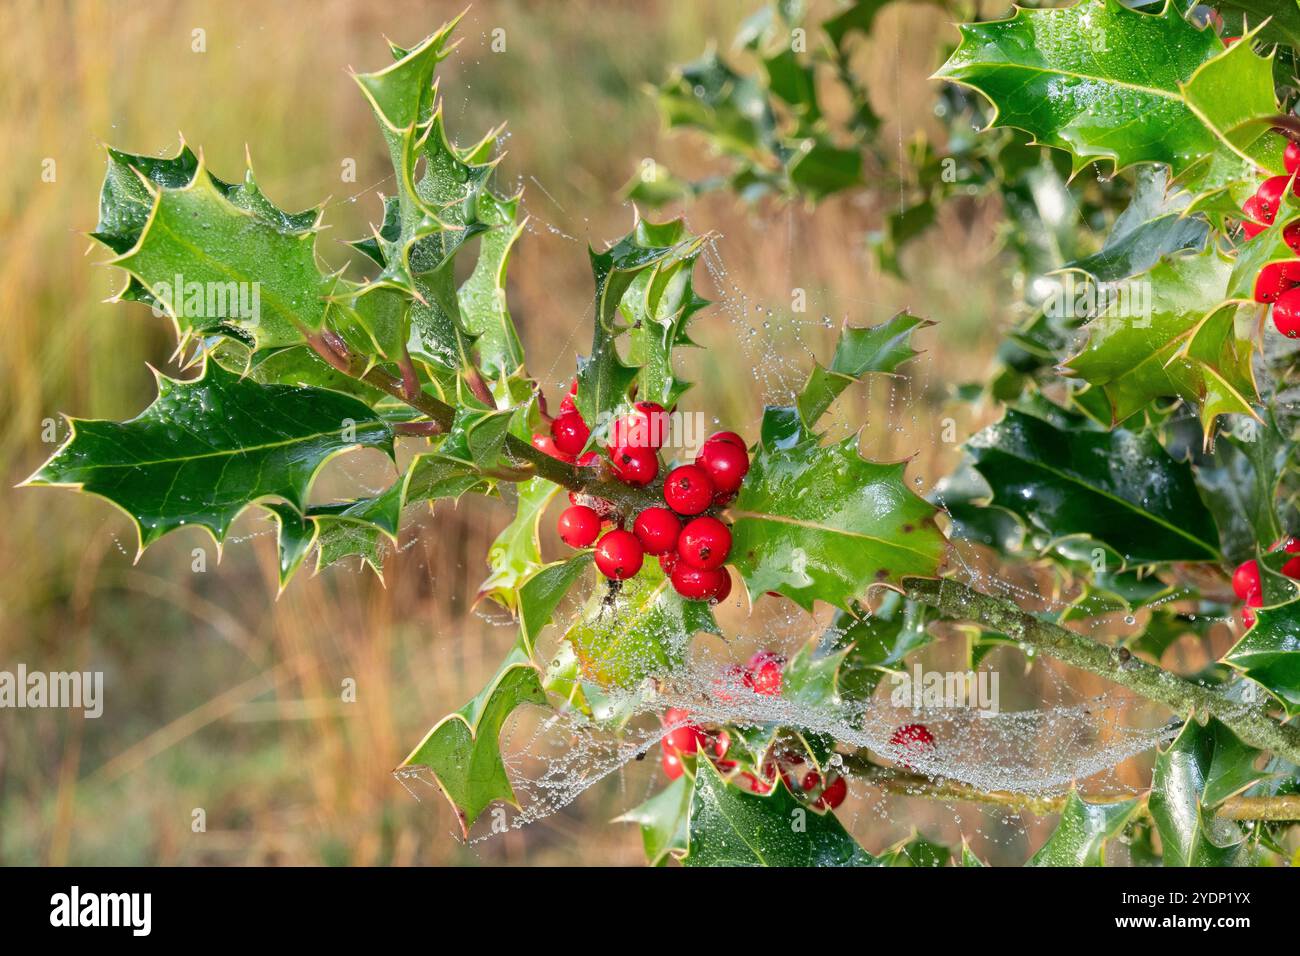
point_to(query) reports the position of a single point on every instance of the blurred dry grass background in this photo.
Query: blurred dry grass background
(218, 696)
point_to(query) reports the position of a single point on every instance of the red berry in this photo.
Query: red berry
(1270, 194)
(834, 793)
(1229, 41)
(1291, 546)
(729, 438)
(635, 466)
(1291, 157)
(1247, 618)
(672, 764)
(646, 426)
(688, 490)
(1257, 219)
(579, 526)
(657, 530)
(567, 406)
(684, 738)
(1274, 279)
(725, 591)
(619, 555)
(570, 433)
(726, 464)
(668, 561)
(1292, 236)
(695, 584)
(1245, 580)
(721, 744)
(546, 445)
(704, 543)
(1286, 313)
(764, 674)
(912, 737)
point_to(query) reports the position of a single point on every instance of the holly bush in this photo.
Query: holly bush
(1142, 466)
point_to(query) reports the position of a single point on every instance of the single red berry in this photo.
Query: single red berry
(672, 764)
(570, 433)
(685, 737)
(915, 738)
(1286, 313)
(834, 793)
(1247, 618)
(1291, 156)
(726, 464)
(1291, 234)
(579, 526)
(635, 466)
(646, 426)
(704, 543)
(696, 584)
(1245, 580)
(619, 555)
(1274, 279)
(729, 438)
(724, 592)
(546, 445)
(1270, 193)
(688, 490)
(657, 530)
(1257, 220)
(668, 561)
(721, 744)
(764, 674)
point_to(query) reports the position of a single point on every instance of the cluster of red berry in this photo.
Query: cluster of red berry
(1248, 586)
(1278, 282)
(691, 546)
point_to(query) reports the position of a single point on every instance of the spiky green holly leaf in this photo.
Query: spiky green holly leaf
(1180, 341)
(125, 199)
(819, 522)
(731, 827)
(516, 554)
(540, 595)
(858, 352)
(1282, 16)
(1083, 79)
(657, 306)
(916, 851)
(1269, 653)
(663, 820)
(463, 750)
(1204, 765)
(482, 296)
(968, 856)
(1240, 479)
(225, 260)
(1082, 831)
(638, 629)
(729, 107)
(208, 447)
(1156, 223)
(603, 377)
(402, 94)
(1119, 487)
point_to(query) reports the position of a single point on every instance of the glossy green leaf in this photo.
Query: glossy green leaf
(638, 629)
(482, 296)
(1203, 765)
(208, 447)
(1269, 653)
(1120, 488)
(1087, 79)
(540, 595)
(516, 554)
(463, 750)
(859, 352)
(818, 522)
(1181, 343)
(1082, 831)
(663, 820)
(731, 827)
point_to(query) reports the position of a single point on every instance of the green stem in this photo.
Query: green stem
(1251, 724)
(904, 783)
